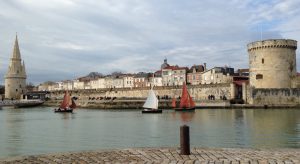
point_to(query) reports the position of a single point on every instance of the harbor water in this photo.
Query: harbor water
(39, 130)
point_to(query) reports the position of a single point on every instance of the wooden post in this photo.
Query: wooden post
(185, 140)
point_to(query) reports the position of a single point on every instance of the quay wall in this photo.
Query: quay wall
(198, 92)
(135, 97)
(282, 96)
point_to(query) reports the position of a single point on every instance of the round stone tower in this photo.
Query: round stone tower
(15, 79)
(272, 63)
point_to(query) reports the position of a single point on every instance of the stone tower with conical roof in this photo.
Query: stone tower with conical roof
(15, 79)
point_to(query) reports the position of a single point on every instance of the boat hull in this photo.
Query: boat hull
(27, 104)
(184, 109)
(63, 111)
(152, 111)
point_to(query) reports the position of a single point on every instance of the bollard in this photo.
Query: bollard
(184, 140)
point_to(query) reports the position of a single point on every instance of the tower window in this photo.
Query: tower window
(262, 60)
(16, 90)
(259, 76)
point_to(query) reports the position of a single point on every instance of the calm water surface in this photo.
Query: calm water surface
(40, 130)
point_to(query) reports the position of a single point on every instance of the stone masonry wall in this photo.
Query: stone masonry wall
(198, 92)
(275, 96)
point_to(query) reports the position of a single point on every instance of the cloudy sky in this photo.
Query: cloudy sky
(65, 39)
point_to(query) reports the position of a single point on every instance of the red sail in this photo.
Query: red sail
(192, 103)
(65, 103)
(173, 102)
(184, 101)
(73, 105)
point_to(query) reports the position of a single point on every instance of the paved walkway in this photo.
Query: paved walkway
(168, 155)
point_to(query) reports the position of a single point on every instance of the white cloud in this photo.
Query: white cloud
(136, 35)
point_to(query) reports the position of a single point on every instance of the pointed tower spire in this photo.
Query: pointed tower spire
(16, 52)
(24, 69)
(15, 79)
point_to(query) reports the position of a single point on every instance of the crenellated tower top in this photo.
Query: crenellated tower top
(272, 43)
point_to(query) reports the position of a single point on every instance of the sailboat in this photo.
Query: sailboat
(65, 106)
(186, 101)
(151, 104)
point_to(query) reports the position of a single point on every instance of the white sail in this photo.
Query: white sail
(152, 101)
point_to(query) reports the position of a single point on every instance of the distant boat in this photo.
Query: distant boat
(28, 103)
(186, 101)
(67, 105)
(151, 104)
(173, 105)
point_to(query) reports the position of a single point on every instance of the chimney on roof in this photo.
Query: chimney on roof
(204, 64)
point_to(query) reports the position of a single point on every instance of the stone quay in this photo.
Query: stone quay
(168, 155)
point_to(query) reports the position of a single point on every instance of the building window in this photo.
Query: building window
(259, 76)
(262, 60)
(16, 90)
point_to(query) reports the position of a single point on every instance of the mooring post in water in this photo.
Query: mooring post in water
(185, 140)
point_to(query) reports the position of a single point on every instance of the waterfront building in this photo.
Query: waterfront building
(98, 83)
(59, 85)
(165, 64)
(15, 79)
(118, 82)
(55, 86)
(83, 83)
(45, 86)
(127, 80)
(217, 75)
(108, 82)
(151, 80)
(179, 75)
(87, 84)
(141, 79)
(194, 74)
(242, 72)
(155, 79)
(94, 84)
(272, 63)
(67, 85)
(78, 84)
(173, 75)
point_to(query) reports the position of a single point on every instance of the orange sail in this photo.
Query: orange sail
(66, 101)
(173, 103)
(184, 101)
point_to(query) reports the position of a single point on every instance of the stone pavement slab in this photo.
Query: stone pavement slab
(166, 156)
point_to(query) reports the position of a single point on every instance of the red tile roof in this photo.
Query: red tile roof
(176, 68)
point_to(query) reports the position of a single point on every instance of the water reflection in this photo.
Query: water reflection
(14, 123)
(185, 117)
(274, 127)
(67, 116)
(40, 130)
